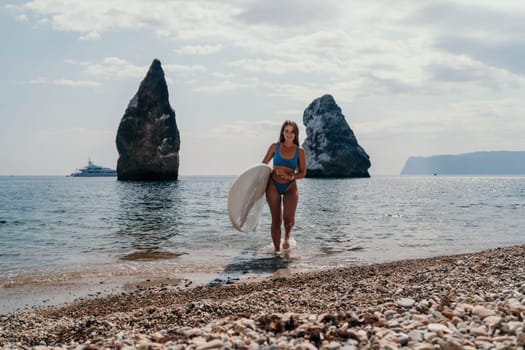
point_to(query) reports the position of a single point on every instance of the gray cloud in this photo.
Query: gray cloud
(289, 13)
(488, 35)
(509, 56)
(374, 85)
(458, 18)
(454, 74)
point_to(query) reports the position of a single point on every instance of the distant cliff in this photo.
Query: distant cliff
(476, 163)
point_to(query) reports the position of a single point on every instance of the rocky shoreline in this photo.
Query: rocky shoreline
(471, 301)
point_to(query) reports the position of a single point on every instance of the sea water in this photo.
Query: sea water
(59, 228)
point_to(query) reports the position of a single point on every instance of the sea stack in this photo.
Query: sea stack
(148, 139)
(331, 147)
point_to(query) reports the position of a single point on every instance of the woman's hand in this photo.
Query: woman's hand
(284, 175)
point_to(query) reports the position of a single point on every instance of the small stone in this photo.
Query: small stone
(521, 340)
(349, 347)
(516, 307)
(213, 344)
(492, 321)
(333, 346)
(157, 337)
(360, 335)
(237, 343)
(424, 346)
(248, 323)
(467, 307)
(192, 332)
(503, 339)
(450, 345)
(389, 314)
(283, 344)
(420, 318)
(438, 327)
(199, 340)
(308, 346)
(438, 315)
(253, 346)
(416, 336)
(482, 312)
(406, 302)
(448, 314)
(429, 336)
(402, 339)
(512, 327)
(478, 331)
(393, 323)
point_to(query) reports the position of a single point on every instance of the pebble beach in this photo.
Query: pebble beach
(470, 301)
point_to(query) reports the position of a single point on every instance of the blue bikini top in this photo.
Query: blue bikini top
(280, 161)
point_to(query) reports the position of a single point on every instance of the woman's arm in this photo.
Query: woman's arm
(269, 154)
(301, 169)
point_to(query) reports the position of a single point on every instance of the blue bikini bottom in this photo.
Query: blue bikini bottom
(281, 188)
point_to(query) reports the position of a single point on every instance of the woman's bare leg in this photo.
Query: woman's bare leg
(274, 202)
(291, 197)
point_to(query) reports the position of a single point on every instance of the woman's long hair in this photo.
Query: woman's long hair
(295, 130)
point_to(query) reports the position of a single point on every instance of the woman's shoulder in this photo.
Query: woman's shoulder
(272, 148)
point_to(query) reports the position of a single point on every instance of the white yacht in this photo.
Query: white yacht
(92, 170)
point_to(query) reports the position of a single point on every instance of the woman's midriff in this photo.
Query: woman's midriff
(287, 172)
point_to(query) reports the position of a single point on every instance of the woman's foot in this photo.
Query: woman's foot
(286, 243)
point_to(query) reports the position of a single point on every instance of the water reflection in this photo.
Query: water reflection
(334, 204)
(148, 213)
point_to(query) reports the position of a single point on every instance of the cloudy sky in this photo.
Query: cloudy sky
(413, 78)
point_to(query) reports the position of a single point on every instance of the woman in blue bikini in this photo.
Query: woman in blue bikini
(289, 164)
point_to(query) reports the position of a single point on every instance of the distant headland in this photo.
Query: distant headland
(475, 163)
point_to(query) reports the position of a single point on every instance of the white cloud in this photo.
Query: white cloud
(112, 67)
(199, 49)
(221, 87)
(75, 83)
(203, 19)
(74, 62)
(357, 43)
(484, 124)
(280, 66)
(40, 80)
(64, 82)
(224, 76)
(184, 69)
(11, 7)
(21, 18)
(93, 35)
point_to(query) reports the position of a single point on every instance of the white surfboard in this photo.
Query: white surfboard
(246, 197)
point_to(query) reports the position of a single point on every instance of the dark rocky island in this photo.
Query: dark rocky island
(331, 147)
(475, 163)
(148, 139)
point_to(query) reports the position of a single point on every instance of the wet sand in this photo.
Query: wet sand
(455, 302)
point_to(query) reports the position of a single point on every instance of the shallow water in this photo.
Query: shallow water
(54, 229)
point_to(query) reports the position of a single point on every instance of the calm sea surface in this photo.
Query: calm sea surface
(54, 228)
